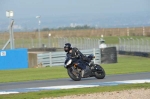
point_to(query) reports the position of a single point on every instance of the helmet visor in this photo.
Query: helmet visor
(66, 49)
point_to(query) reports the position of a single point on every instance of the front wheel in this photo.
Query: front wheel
(100, 73)
(73, 74)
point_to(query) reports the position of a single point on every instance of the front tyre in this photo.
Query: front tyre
(73, 76)
(100, 73)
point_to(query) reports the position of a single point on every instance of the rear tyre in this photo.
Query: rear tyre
(100, 73)
(74, 77)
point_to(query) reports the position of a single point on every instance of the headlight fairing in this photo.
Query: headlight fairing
(68, 63)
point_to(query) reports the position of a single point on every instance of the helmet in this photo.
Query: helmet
(67, 47)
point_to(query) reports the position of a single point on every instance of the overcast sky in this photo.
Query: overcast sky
(60, 8)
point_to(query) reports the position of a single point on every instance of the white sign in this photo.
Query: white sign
(9, 14)
(3, 53)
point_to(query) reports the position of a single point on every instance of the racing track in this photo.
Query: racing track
(17, 87)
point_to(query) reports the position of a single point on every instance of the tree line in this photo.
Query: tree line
(68, 28)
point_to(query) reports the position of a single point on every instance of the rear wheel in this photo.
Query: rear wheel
(100, 72)
(73, 74)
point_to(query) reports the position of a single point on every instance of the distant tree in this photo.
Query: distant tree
(78, 27)
(45, 29)
(75, 28)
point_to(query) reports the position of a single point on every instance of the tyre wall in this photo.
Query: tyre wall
(109, 55)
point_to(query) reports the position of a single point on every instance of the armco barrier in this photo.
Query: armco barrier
(13, 59)
(58, 58)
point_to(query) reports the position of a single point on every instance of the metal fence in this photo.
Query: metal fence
(55, 42)
(134, 45)
(125, 44)
(58, 58)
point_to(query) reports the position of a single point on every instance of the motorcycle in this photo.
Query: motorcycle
(92, 70)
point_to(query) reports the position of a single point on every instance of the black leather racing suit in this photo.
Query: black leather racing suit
(78, 57)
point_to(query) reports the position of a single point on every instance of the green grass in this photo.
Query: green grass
(58, 93)
(126, 64)
(33, 74)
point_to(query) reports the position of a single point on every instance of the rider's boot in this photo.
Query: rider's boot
(82, 73)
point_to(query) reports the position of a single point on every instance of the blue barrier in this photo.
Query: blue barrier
(13, 59)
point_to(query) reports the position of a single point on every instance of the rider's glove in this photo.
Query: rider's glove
(77, 56)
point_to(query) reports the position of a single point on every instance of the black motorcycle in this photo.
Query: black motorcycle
(92, 70)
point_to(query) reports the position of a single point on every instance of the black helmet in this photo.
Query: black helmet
(67, 47)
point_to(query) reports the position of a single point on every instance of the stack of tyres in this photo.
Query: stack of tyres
(108, 55)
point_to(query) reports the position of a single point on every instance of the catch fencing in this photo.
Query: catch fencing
(134, 45)
(55, 42)
(58, 58)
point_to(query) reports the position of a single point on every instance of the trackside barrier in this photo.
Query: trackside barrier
(58, 58)
(13, 59)
(109, 55)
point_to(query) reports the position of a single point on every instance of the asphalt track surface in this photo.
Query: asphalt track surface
(68, 81)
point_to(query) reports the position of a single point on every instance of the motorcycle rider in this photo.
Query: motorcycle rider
(76, 56)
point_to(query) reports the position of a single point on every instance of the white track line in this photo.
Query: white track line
(75, 86)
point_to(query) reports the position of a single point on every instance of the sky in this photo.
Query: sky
(64, 12)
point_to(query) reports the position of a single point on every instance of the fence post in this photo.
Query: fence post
(128, 32)
(138, 47)
(119, 49)
(142, 44)
(124, 45)
(143, 31)
(99, 55)
(50, 58)
(81, 43)
(129, 45)
(94, 53)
